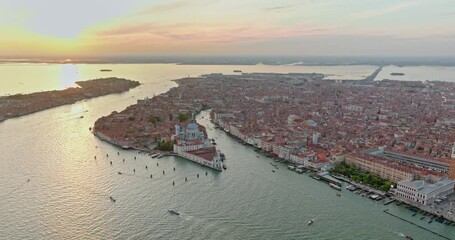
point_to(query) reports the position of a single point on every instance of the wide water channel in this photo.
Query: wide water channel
(67, 196)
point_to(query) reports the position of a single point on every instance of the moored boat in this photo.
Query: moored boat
(173, 211)
(334, 186)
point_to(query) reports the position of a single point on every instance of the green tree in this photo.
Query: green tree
(183, 117)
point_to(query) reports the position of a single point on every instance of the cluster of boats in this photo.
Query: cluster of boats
(364, 193)
(298, 169)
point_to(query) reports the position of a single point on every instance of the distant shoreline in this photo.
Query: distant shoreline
(24, 104)
(252, 60)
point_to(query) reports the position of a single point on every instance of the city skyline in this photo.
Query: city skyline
(209, 27)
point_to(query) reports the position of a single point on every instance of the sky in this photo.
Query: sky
(91, 28)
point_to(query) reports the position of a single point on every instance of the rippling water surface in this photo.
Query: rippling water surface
(67, 196)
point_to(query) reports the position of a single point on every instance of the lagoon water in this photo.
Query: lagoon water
(419, 73)
(67, 196)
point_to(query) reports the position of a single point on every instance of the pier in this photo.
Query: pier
(328, 178)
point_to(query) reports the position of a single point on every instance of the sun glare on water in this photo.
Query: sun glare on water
(69, 74)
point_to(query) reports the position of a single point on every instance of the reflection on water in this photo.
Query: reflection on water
(69, 74)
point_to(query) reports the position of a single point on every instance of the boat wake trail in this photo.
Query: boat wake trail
(186, 217)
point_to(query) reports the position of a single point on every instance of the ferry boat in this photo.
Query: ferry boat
(334, 186)
(173, 211)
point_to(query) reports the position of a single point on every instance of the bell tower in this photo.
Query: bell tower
(452, 164)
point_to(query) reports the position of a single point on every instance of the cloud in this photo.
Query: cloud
(387, 10)
(214, 33)
(279, 8)
(174, 5)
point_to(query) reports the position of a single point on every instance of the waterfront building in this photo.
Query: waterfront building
(423, 192)
(302, 158)
(380, 167)
(424, 163)
(319, 164)
(191, 144)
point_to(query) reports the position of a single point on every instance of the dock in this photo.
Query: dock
(328, 178)
(389, 202)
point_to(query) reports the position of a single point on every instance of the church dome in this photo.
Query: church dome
(192, 126)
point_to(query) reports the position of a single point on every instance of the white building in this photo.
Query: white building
(192, 145)
(422, 192)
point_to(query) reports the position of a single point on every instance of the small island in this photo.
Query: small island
(23, 104)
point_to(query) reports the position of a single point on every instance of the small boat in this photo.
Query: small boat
(422, 218)
(299, 170)
(106, 70)
(310, 222)
(273, 170)
(290, 167)
(334, 186)
(338, 195)
(175, 212)
(237, 71)
(316, 177)
(408, 237)
(112, 199)
(119, 173)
